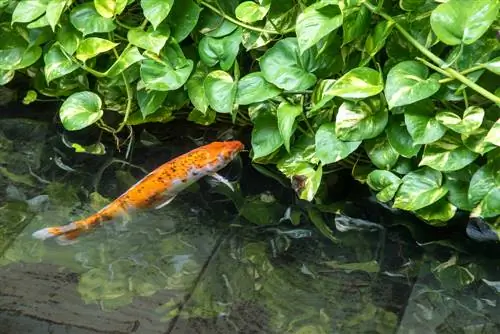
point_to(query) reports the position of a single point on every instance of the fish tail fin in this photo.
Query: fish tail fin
(66, 234)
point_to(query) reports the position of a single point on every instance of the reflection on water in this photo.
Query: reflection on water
(196, 266)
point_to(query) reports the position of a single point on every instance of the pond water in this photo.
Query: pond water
(198, 266)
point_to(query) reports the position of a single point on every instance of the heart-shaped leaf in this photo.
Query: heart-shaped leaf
(471, 121)
(80, 110)
(28, 10)
(493, 135)
(447, 154)
(283, 66)
(196, 89)
(484, 191)
(329, 148)
(54, 10)
(57, 64)
(419, 189)
(156, 10)
(110, 8)
(92, 46)
(408, 82)
(150, 101)
(151, 40)
(358, 83)
(463, 21)
(170, 72)
(422, 124)
(315, 22)
(385, 182)
(224, 50)
(266, 137)
(249, 11)
(380, 152)
(360, 120)
(220, 90)
(183, 18)
(87, 20)
(253, 88)
(400, 139)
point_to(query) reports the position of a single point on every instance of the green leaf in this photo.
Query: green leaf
(315, 22)
(156, 10)
(80, 110)
(437, 214)
(307, 181)
(493, 65)
(355, 24)
(266, 137)
(87, 20)
(127, 58)
(57, 64)
(183, 18)
(110, 8)
(317, 219)
(400, 139)
(447, 154)
(170, 72)
(493, 135)
(220, 90)
(286, 114)
(68, 37)
(471, 121)
(6, 76)
(150, 101)
(360, 120)
(224, 50)
(151, 40)
(329, 148)
(385, 182)
(205, 119)
(457, 183)
(253, 88)
(249, 11)
(54, 10)
(29, 10)
(484, 191)
(419, 189)
(92, 46)
(408, 82)
(283, 66)
(96, 149)
(411, 5)
(358, 83)
(196, 89)
(376, 40)
(380, 152)
(421, 123)
(463, 21)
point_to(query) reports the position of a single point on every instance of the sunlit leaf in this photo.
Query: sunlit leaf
(462, 21)
(92, 46)
(57, 64)
(447, 154)
(80, 110)
(360, 120)
(329, 148)
(408, 82)
(419, 189)
(249, 11)
(156, 10)
(87, 20)
(385, 182)
(315, 22)
(220, 90)
(484, 191)
(151, 40)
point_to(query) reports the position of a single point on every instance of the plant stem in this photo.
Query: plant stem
(450, 72)
(434, 67)
(464, 72)
(242, 24)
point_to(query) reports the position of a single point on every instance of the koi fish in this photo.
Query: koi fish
(156, 189)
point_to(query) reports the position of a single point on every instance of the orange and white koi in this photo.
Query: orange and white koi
(156, 189)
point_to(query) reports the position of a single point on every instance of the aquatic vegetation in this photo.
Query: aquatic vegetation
(402, 93)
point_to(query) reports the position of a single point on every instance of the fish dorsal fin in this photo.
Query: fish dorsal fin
(166, 201)
(223, 180)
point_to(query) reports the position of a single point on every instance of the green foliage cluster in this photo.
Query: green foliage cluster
(410, 86)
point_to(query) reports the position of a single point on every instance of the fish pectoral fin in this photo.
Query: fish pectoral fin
(223, 180)
(167, 200)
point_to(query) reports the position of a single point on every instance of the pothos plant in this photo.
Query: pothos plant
(405, 93)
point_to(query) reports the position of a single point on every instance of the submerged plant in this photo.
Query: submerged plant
(405, 93)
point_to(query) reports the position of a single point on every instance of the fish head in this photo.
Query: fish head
(222, 153)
